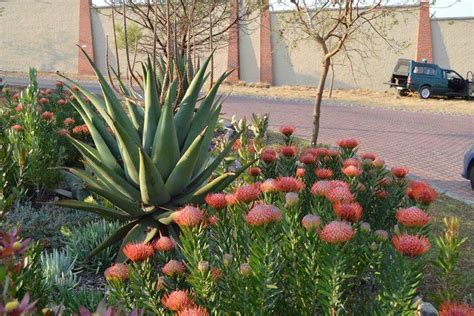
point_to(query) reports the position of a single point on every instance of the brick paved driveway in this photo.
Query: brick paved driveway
(431, 145)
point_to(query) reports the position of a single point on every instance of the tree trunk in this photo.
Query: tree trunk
(319, 96)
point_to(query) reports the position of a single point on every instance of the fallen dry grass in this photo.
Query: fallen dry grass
(370, 98)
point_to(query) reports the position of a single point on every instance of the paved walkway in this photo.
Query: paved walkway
(432, 146)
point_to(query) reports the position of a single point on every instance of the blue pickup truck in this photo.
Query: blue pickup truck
(430, 80)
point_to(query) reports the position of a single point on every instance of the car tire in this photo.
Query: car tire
(425, 92)
(471, 176)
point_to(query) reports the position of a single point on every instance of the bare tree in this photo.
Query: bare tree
(333, 25)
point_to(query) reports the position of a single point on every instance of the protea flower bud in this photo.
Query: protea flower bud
(203, 266)
(381, 235)
(373, 246)
(245, 269)
(291, 198)
(228, 258)
(396, 229)
(365, 227)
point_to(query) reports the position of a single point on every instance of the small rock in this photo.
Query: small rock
(427, 309)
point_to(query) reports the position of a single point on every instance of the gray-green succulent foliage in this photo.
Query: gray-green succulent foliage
(152, 159)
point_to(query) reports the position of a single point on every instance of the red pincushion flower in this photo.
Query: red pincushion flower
(59, 84)
(348, 143)
(19, 108)
(339, 194)
(237, 145)
(43, 101)
(311, 222)
(351, 171)
(308, 158)
(69, 121)
(411, 245)
(368, 156)
(81, 129)
(381, 194)
(320, 188)
(231, 199)
(318, 151)
(49, 91)
(421, 192)
(455, 309)
(248, 193)
(47, 116)
(17, 127)
(62, 132)
(173, 267)
(254, 171)
(289, 184)
(268, 155)
(213, 220)
(138, 252)
(300, 172)
(216, 274)
(188, 216)
(217, 201)
(61, 102)
(262, 214)
(337, 232)
(287, 130)
(288, 151)
(351, 212)
(268, 185)
(399, 172)
(177, 300)
(333, 153)
(412, 217)
(351, 162)
(251, 146)
(116, 272)
(164, 244)
(323, 173)
(193, 311)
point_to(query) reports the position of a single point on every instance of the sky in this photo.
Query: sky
(440, 9)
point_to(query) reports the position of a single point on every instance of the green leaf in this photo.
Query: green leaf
(94, 208)
(152, 109)
(152, 188)
(165, 152)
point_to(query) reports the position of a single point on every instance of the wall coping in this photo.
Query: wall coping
(453, 18)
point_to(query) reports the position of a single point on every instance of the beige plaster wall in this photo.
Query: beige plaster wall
(42, 34)
(249, 54)
(297, 62)
(453, 44)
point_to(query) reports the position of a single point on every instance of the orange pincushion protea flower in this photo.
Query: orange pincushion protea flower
(17, 127)
(164, 244)
(81, 129)
(216, 200)
(412, 217)
(421, 192)
(368, 156)
(116, 272)
(340, 194)
(318, 151)
(337, 232)
(308, 158)
(351, 212)
(351, 162)
(173, 267)
(62, 132)
(231, 199)
(268, 155)
(61, 102)
(455, 309)
(48, 116)
(320, 188)
(263, 214)
(348, 143)
(59, 84)
(19, 108)
(177, 300)
(289, 184)
(188, 216)
(399, 172)
(323, 173)
(268, 185)
(254, 171)
(411, 245)
(288, 151)
(287, 130)
(351, 171)
(248, 193)
(138, 252)
(193, 311)
(300, 172)
(69, 121)
(43, 101)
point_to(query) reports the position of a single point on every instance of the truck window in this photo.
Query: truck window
(424, 70)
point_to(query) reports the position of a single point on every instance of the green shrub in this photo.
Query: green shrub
(83, 239)
(44, 223)
(73, 300)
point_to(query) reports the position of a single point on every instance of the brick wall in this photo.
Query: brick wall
(424, 44)
(266, 62)
(233, 48)
(85, 39)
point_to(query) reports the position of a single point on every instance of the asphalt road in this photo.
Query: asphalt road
(430, 145)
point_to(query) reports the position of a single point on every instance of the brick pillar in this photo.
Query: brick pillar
(424, 45)
(233, 61)
(266, 64)
(85, 39)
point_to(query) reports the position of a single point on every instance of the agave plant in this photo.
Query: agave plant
(149, 160)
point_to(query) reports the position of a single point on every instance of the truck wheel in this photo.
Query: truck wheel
(425, 92)
(403, 92)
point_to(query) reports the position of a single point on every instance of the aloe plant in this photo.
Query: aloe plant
(148, 161)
